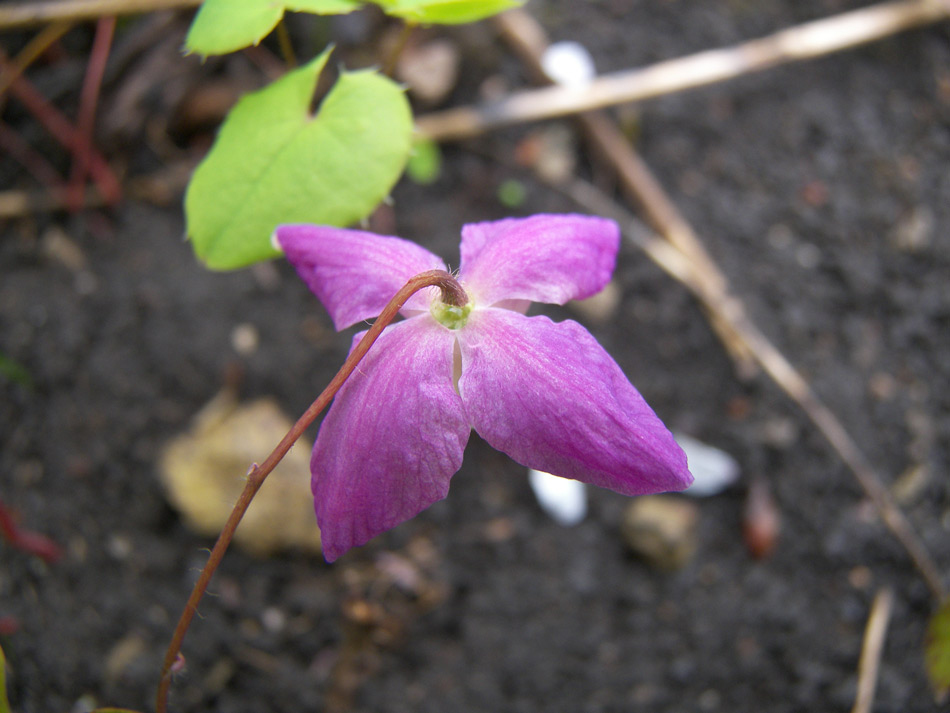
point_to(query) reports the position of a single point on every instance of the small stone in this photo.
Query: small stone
(914, 231)
(882, 386)
(119, 546)
(661, 529)
(245, 338)
(59, 247)
(808, 256)
(761, 520)
(569, 64)
(713, 469)
(122, 655)
(557, 155)
(860, 577)
(274, 620)
(500, 529)
(779, 432)
(709, 700)
(563, 499)
(219, 675)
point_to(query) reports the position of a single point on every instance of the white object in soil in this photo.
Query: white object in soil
(565, 500)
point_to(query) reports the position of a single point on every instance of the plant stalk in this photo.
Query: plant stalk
(257, 473)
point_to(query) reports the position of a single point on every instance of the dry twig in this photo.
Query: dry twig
(29, 54)
(805, 41)
(731, 311)
(682, 255)
(25, 14)
(870, 660)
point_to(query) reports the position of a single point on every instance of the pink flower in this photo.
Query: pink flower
(545, 393)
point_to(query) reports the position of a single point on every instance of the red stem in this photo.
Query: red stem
(63, 131)
(451, 293)
(41, 169)
(82, 146)
(27, 540)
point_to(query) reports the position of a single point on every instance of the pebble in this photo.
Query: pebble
(122, 655)
(662, 529)
(569, 64)
(713, 469)
(914, 231)
(245, 339)
(563, 499)
(761, 520)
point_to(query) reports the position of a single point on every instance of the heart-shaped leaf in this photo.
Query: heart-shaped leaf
(223, 26)
(446, 12)
(274, 162)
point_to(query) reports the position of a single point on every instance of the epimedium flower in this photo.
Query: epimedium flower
(545, 393)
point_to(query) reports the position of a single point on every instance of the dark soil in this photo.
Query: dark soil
(821, 189)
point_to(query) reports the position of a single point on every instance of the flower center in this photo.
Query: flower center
(450, 316)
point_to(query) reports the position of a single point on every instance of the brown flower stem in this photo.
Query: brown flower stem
(452, 293)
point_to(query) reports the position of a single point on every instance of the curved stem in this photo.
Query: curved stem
(257, 473)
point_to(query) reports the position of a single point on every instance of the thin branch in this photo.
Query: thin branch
(527, 38)
(684, 257)
(732, 313)
(257, 474)
(870, 660)
(800, 42)
(64, 132)
(29, 54)
(25, 14)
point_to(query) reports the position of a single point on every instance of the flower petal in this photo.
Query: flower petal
(544, 258)
(355, 273)
(549, 396)
(392, 439)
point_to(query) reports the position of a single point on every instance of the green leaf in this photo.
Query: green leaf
(425, 161)
(223, 26)
(512, 193)
(446, 12)
(323, 7)
(15, 371)
(937, 650)
(273, 162)
(4, 703)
